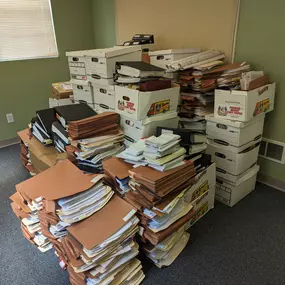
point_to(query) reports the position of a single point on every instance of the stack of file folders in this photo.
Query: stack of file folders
(25, 137)
(91, 152)
(158, 198)
(61, 196)
(164, 152)
(141, 76)
(102, 248)
(161, 153)
(193, 141)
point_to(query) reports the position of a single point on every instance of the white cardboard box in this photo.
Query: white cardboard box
(161, 58)
(136, 130)
(83, 91)
(234, 160)
(98, 80)
(244, 105)
(140, 105)
(104, 97)
(76, 63)
(59, 102)
(228, 132)
(203, 205)
(203, 182)
(230, 194)
(231, 178)
(102, 62)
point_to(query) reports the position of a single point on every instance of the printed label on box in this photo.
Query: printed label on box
(126, 106)
(261, 107)
(159, 107)
(230, 110)
(200, 212)
(200, 191)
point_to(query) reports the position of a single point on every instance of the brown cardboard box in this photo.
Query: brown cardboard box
(44, 157)
(59, 92)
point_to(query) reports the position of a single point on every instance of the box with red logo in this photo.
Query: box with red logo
(244, 105)
(139, 105)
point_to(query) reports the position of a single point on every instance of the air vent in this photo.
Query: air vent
(272, 150)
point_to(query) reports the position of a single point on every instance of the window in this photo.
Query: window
(26, 30)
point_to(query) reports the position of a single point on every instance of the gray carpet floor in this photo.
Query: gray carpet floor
(240, 245)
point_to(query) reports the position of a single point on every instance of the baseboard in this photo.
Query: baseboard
(9, 142)
(270, 181)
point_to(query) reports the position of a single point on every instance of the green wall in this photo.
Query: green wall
(104, 23)
(25, 85)
(260, 41)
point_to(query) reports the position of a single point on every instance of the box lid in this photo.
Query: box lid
(81, 82)
(112, 52)
(75, 53)
(174, 51)
(235, 124)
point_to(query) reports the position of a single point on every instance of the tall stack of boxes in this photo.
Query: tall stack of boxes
(91, 73)
(234, 134)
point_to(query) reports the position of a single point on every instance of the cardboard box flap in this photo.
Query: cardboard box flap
(235, 124)
(112, 52)
(24, 135)
(62, 180)
(174, 51)
(108, 220)
(48, 155)
(76, 53)
(117, 167)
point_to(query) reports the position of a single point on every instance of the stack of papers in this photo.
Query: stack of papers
(30, 224)
(61, 196)
(134, 154)
(91, 152)
(108, 255)
(164, 152)
(168, 250)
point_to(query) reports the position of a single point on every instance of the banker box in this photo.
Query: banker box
(139, 105)
(102, 62)
(233, 132)
(135, 130)
(83, 91)
(231, 159)
(231, 193)
(76, 63)
(104, 97)
(244, 105)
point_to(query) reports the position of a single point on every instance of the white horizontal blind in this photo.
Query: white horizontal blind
(26, 30)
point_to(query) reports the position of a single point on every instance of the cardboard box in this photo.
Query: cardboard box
(140, 105)
(104, 97)
(203, 205)
(98, 80)
(161, 58)
(61, 90)
(230, 193)
(76, 63)
(106, 67)
(60, 102)
(234, 160)
(234, 133)
(92, 105)
(43, 157)
(147, 127)
(83, 90)
(203, 182)
(244, 105)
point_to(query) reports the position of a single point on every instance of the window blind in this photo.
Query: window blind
(26, 30)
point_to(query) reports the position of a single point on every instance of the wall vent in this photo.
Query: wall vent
(272, 150)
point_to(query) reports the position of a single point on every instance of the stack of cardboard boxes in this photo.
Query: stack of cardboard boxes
(61, 94)
(92, 72)
(234, 134)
